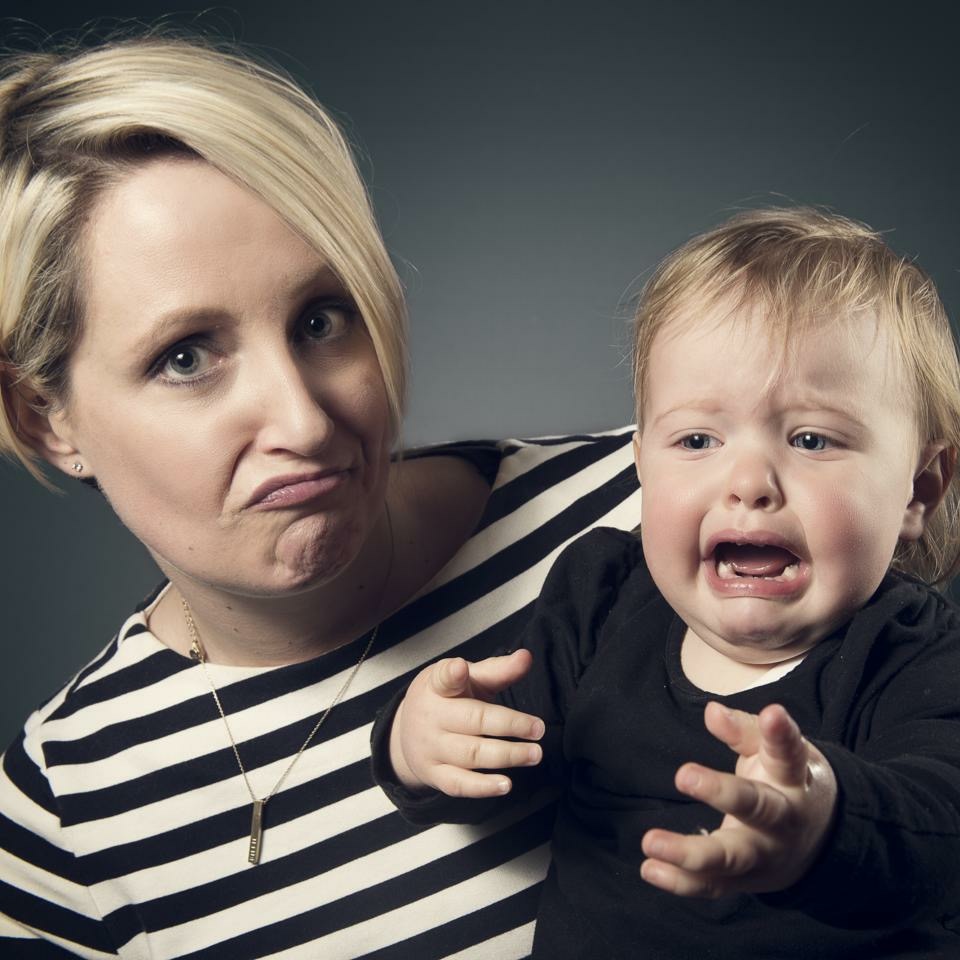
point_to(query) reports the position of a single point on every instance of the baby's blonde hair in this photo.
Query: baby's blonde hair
(801, 268)
(73, 123)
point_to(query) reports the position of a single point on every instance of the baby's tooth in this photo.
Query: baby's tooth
(791, 572)
(725, 570)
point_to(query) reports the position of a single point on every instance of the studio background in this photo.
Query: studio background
(530, 163)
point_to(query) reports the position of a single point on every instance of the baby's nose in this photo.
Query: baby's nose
(753, 483)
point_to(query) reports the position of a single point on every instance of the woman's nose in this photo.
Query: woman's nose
(289, 409)
(753, 483)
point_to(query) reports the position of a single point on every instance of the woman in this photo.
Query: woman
(198, 315)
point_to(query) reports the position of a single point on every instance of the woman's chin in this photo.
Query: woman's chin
(313, 552)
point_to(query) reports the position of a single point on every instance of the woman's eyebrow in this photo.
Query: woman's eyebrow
(177, 322)
(322, 279)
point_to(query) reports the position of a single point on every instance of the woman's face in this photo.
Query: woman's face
(224, 393)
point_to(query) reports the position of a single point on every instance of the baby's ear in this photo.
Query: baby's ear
(39, 423)
(636, 454)
(930, 483)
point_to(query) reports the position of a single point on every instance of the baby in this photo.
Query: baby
(798, 408)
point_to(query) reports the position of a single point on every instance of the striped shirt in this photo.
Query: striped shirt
(124, 821)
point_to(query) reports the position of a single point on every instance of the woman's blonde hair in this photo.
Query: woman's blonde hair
(72, 123)
(806, 269)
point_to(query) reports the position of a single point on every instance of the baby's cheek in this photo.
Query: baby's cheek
(670, 532)
(857, 541)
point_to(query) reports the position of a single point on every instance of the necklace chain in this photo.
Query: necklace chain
(199, 654)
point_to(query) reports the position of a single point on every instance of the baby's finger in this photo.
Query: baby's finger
(486, 753)
(675, 880)
(450, 678)
(724, 853)
(783, 751)
(494, 674)
(690, 852)
(455, 782)
(479, 718)
(738, 730)
(751, 802)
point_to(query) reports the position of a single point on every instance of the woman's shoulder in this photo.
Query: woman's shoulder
(545, 493)
(517, 471)
(133, 660)
(508, 490)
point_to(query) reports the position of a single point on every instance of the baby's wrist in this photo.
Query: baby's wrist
(401, 769)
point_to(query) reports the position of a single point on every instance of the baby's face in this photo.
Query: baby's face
(772, 502)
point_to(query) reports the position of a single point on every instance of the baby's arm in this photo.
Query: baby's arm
(778, 807)
(446, 728)
(866, 839)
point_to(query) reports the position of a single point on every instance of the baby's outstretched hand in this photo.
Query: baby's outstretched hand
(446, 729)
(778, 807)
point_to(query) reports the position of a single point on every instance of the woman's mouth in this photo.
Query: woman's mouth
(292, 490)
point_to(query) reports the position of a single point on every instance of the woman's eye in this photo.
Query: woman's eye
(698, 441)
(325, 321)
(184, 362)
(812, 442)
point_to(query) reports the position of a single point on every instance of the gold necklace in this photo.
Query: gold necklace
(256, 821)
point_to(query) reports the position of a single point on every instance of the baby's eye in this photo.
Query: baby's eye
(808, 440)
(698, 441)
(324, 321)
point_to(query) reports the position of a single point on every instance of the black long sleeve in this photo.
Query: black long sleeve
(879, 696)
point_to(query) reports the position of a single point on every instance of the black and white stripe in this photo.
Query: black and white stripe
(124, 821)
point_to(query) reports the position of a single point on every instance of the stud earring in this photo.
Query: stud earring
(77, 466)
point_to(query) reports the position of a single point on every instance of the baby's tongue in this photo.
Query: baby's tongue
(752, 560)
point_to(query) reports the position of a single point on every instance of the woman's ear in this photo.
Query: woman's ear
(935, 469)
(41, 425)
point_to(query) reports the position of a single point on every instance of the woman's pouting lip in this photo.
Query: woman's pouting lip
(296, 488)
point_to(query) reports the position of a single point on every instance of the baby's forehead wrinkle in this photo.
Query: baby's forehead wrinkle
(786, 328)
(708, 404)
(773, 406)
(752, 329)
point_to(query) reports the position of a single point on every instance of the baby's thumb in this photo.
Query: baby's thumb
(494, 674)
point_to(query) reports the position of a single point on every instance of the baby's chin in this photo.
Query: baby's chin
(758, 647)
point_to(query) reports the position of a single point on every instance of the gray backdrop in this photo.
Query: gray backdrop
(530, 163)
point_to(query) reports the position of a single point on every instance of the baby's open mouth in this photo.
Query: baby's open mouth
(755, 560)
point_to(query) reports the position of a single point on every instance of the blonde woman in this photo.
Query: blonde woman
(198, 316)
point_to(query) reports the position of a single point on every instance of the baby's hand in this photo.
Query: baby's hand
(445, 728)
(778, 808)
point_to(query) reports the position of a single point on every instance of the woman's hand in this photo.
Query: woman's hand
(445, 728)
(778, 806)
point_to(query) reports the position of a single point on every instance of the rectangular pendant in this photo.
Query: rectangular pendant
(256, 832)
